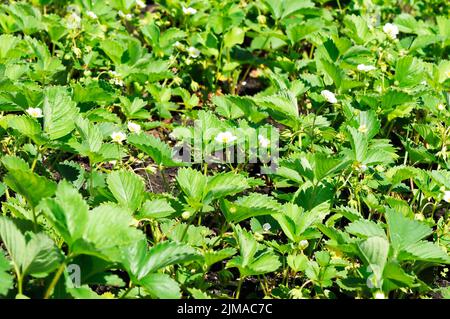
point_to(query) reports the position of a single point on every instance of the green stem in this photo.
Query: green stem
(53, 283)
(20, 284)
(238, 291)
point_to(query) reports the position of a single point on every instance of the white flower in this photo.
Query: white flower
(365, 68)
(361, 167)
(303, 244)
(34, 112)
(189, 11)
(263, 142)
(379, 295)
(117, 81)
(185, 215)
(447, 196)
(362, 128)
(118, 137)
(77, 51)
(329, 96)
(225, 137)
(141, 4)
(134, 127)
(391, 30)
(91, 15)
(441, 107)
(127, 16)
(261, 19)
(193, 52)
(113, 73)
(266, 227)
(73, 21)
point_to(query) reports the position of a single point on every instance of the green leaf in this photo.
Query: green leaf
(249, 206)
(37, 256)
(234, 36)
(225, 184)
(251, 262)
(59, 112)
(167, 253)
(161, 286)
(134, 109)
(27, 126)
(425, 251)
(6, 279)
(12, 162)
(128, 188)
(14, 242)
(108, 232)
(91, 137)
(42, 255)
(212, 257)
(294, 221)
(192, 183)
(365, 228)
(404, 231)
(159, 151)
(408, 71)
(67, 212)
(374, 251)
(154, 209)
(32, 186)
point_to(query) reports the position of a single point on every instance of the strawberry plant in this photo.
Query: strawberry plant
(286, 149)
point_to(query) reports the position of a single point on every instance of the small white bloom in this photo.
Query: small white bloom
(91, 15)
(73, 21)
(263, 142)
(391, 30)
(185, 215)
(193, 52)
(34, 112)
(266, 227)
(189, 11)
(128, 16)
(141, 4)
(379, 295)
(77, 52)
(303, 244)
(118, 137)
(117, 81)
(447, 196)
(441, 107)
(362, 128)
(329, 96)
(365, 68)
(225, 137)
(261, 19)
(134, 127)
